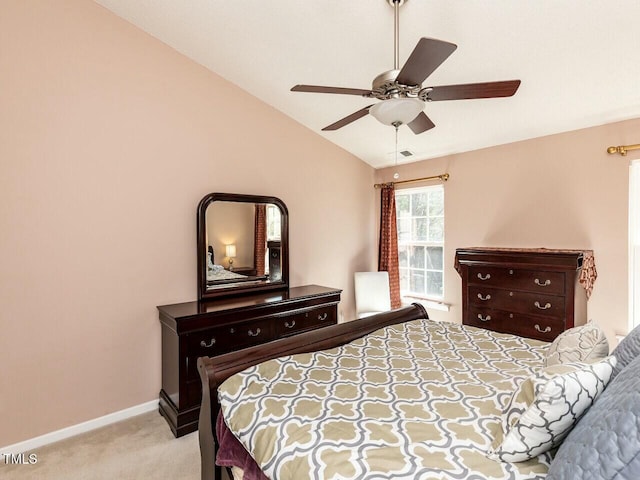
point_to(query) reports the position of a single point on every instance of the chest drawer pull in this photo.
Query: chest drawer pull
(323, 316)
(251, 333)
(484, 277)
(547, 329)
(208, 345)
(290, 324)
(484, 319)
(546, 306)
(546, 283)
(484, 299)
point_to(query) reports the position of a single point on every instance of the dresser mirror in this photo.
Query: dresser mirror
(243, 244)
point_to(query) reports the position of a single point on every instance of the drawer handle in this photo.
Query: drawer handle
(547, 329)
(290, 325)
(251, 333)
(484, 319)
(208, 345)
(484, 299)
(546, 283)
(546, 306)
(484, 277)
(323, 316)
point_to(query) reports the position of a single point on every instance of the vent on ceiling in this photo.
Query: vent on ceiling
(402, 154)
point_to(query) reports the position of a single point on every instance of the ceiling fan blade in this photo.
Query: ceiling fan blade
(340, 90)
(348, 119)
(425, 58)
(474, 90)
(421, 123)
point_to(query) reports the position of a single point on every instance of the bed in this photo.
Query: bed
(391, 396)
(218, 275)
(218, 272)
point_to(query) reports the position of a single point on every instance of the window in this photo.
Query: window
(420, 217)
(273, 222)
(634, 244)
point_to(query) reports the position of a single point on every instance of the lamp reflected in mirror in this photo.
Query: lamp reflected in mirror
(230, 251)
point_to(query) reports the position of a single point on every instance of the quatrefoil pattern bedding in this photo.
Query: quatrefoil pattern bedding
(419, 400)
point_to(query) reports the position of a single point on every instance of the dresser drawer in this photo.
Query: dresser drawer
(307, 320)
(216, 341)
(210, 342)
(517, 301)
(219, 340)
(541, 328)
(518, 279)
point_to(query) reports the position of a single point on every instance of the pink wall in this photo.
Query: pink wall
(560, 191)
(108, 140)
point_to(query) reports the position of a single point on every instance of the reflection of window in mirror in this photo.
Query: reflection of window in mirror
(273, 223)
(272, 254)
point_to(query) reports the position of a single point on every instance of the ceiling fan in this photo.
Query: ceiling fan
(400, 90)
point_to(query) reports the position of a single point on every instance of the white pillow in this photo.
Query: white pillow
(546, 406)
(586, 343)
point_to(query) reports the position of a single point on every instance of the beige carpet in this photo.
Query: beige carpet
(141, 447)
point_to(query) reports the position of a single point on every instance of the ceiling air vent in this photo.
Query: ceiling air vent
(403, 153)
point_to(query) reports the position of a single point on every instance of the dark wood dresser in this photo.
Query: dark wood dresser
(194, 329)
(528, 292)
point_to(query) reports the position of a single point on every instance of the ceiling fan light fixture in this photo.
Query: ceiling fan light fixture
(397, 110)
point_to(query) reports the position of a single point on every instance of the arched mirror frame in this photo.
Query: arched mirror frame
(240, 288)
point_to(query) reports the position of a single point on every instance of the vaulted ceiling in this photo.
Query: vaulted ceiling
(579, 62)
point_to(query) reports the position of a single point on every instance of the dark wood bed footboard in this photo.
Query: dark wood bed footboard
(214, 371)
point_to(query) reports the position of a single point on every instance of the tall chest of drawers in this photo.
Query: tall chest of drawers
(195, 329)
(526, 292)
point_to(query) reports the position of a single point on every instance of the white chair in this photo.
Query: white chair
(372, 293)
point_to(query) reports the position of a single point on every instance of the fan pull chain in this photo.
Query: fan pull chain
(396, 175)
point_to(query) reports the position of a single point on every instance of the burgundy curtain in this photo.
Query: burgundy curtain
(260, 241)
(388, 253)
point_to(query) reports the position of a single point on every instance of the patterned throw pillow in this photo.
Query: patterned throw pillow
(586, 343)
(546, 406)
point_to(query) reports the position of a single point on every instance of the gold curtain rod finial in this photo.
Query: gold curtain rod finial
(620, 150)
(623, 149)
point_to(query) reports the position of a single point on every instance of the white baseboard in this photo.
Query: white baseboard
(33, 443)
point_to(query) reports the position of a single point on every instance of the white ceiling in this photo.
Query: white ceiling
(579, 62)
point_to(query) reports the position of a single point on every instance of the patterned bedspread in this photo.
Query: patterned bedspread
(419, 400)
(222, 274)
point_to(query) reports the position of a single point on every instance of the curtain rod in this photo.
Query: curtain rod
(444, 177)
(622, 149)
